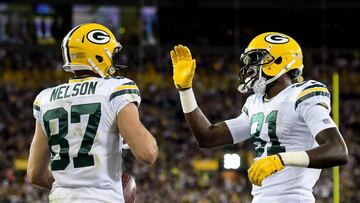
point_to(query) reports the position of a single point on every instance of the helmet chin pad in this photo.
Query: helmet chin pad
(247, 85)
(259, 86)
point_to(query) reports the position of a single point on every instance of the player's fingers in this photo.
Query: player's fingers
(173, 57)
(251, 174)
(250, 170)
(187, 53)
(193, 66)
(261, 179)
(183, 52)
(256, 175)
(251, 179)
(178, 52)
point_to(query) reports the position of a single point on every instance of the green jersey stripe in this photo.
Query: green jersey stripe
(299, 84)
(245, 110)
(315, 85)
(122, 92)
(129, 83)
(311, 94)
(36, 107)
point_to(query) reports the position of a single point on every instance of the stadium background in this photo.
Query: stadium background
(217, 32)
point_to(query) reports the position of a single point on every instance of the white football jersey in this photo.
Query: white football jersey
(279, 125)
(80, 121)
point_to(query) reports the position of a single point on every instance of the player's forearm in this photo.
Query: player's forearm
(332, 151)
(322, 157)
(206, 134)
(197, 121)
(43, 181)
(199, 126)
(47, 182)
(146, 154)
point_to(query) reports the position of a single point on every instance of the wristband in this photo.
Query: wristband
(188, 101)
(299, 159)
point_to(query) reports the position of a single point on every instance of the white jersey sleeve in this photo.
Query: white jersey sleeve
(123, 94)
(313, 93)
(37, 105)
(240, 126)
(36, 109)
(313, 105)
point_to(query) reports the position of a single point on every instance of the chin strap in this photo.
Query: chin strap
(260, 84)
(95, 68)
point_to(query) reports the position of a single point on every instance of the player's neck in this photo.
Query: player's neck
(279, 85)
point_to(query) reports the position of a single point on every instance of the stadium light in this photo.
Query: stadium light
(231, 161)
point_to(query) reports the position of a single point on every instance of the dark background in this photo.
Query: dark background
(325, 23)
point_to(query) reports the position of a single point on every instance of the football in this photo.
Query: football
(129, 187)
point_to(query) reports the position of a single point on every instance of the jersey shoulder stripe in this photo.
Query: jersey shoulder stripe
(36, 105)
(128, 85)
(299, 84)
(122, 92)
(314, 85)
(310, 91)
(126, 88)
(312, 94)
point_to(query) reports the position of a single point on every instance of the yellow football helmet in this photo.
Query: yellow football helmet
(267, 57)
(92, 47)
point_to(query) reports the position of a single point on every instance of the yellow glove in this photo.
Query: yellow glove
(184, 67)
(264, 167)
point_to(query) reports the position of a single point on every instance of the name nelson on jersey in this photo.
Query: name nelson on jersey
(79, 89)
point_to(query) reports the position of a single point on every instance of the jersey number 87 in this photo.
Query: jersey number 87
(59, 146)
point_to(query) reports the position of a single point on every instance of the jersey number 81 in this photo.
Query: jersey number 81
(275, 147)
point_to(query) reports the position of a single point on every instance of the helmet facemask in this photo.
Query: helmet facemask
(251, 75)
(117, 69)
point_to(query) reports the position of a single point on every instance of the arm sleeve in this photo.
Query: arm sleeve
(239, 128)
(36, 108)
(317, 118)
(314, 93)
(313, 105)
(124, 94)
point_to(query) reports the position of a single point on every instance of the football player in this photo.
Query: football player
(289, 123)
(81, 125)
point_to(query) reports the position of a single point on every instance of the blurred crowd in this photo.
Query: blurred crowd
(172, 178)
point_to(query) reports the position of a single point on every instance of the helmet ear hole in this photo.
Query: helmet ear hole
(278, 60)
(99, 58)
